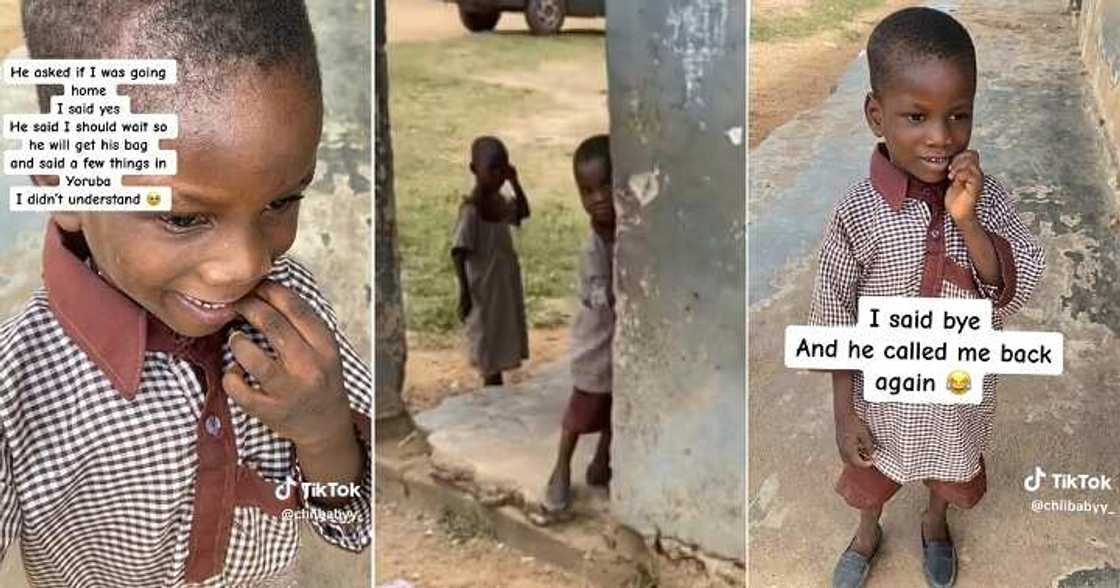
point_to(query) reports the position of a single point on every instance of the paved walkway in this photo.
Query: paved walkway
(500, 442)
(1036, 133)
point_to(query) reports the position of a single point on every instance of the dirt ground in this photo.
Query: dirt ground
(428, 553)
(421, 551)
(788, 77)
(432, 374)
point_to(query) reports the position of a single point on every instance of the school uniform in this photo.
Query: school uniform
(124, 463)
(890, 235)
(496, 330)
(589, 409)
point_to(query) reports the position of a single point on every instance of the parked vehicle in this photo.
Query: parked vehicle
(545, 17)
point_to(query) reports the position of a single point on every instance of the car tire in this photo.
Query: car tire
(478, 22)
(545, 16)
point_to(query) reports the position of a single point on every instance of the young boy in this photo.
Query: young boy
(491, 301)
(589, 409)
(178, 376)
(927, 222)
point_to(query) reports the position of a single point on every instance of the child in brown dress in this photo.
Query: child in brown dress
(491, 300)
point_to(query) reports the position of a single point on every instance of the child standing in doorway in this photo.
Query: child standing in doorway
(925, 222)
(589, 409)
(491, 299)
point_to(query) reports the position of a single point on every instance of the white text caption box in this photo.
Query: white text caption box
(907, 349)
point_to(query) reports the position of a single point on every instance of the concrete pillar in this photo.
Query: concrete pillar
(389, 311)
(335, 219)
(678, 106)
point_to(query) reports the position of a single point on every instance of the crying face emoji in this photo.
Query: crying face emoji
(153, 198)
(959, 382)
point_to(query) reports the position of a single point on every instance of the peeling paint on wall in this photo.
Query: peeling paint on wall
(646, 186)
(735, 135)
(696, 35)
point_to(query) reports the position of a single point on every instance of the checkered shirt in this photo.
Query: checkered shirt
(100, 488)
(890, 236)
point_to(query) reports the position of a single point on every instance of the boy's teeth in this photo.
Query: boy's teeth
(206, 305)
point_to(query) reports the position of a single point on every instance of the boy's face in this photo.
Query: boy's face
(924, 115)
(489, 167)
(244, 157)
(594, 184)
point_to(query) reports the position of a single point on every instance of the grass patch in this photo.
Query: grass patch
(438, 105)
(823, 15)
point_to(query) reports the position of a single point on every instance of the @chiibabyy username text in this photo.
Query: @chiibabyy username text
(1041, 479)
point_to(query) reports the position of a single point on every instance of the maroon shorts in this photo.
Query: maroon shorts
(868, 488)
(588, 412)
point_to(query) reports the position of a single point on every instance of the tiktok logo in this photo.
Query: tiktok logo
(284, 489)
(1034, 481)
(1061, 481)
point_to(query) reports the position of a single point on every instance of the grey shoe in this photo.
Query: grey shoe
(939, 562)
(852, 568)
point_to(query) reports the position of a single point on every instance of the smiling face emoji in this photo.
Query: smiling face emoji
(153, 198)
(959, 382)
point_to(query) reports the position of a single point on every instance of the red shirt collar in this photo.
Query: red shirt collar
(105, 323)
(894, 184)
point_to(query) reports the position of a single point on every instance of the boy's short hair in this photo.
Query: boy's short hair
(486, 146)
(597, 147)
(207, 37)
(915, 34)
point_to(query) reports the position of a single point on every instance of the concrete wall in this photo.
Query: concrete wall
(334, 233)
(1100, 48)
(677, 104)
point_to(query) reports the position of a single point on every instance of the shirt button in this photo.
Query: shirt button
(935, 233)
(213, 425)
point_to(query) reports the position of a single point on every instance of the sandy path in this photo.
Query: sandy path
(788, 77)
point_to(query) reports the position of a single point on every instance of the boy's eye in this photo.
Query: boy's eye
(961, 116)
(915, 117)
(284, 203)
(182, 222)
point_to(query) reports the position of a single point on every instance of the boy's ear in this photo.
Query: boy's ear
(873, 111)
(473, 171)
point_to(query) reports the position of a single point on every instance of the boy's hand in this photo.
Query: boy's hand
(967, 183)
(301, 396)
(511, 174)
(854, 440)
